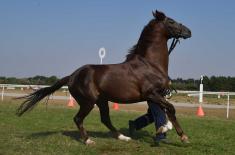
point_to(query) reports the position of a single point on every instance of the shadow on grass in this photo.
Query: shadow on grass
(138, 135)
(42, 134)
(100, 134)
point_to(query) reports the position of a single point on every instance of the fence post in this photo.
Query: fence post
(201, 91)
(2, 92)
(228, 107)
(201, 94)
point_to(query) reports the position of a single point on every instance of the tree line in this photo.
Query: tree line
(213, 83)
(36, 80)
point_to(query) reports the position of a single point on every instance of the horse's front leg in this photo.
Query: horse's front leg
(173, 119)
(105, 119)
(170, 110)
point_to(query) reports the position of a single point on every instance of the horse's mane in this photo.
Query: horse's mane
(144, 41)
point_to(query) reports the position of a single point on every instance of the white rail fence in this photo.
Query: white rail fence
(66, 97)
(27, 87)
(201, 93)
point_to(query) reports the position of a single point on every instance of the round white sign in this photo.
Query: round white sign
(102, 53)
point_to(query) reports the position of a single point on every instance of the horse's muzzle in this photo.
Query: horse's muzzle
(186, 32)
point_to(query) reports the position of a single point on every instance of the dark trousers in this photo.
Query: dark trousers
(154, 114)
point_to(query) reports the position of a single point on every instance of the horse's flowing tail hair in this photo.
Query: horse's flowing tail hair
(32, 99)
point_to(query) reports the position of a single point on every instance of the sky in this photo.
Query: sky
(55, 37)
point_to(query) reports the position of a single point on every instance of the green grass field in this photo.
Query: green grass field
(51, 131)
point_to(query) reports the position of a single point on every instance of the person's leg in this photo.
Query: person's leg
(154, 114)
(159, 117)
(140, 122)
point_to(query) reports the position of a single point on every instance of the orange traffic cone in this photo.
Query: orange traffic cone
(115, 106)
(200, 111)
(71, 102)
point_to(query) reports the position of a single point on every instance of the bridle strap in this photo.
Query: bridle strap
(173, 44)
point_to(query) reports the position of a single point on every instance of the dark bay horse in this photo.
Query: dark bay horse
(143, 76)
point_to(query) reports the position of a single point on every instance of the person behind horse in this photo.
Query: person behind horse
(154, 114)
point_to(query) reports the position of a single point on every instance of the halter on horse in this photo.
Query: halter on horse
(143, 76)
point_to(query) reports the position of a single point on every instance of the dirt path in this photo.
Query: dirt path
(187, 110)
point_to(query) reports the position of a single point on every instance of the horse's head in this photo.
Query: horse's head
(173, 28)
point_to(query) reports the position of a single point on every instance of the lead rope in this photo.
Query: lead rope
(173, 44)
(167, 92)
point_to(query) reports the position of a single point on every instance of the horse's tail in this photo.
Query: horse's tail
(32, 99)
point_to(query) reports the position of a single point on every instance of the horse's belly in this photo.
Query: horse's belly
(122, 92)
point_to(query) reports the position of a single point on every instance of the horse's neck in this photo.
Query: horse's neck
(157, 54)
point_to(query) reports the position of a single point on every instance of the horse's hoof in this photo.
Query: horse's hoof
(89, 142)
(124, 138)
(184, 139)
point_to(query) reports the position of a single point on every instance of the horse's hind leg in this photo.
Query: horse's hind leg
(78, 119)
(105, 119)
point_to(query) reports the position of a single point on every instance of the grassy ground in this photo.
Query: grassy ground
(51, 131)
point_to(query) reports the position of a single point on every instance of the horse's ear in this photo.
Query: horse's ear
(154, 15)
(159, 15)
